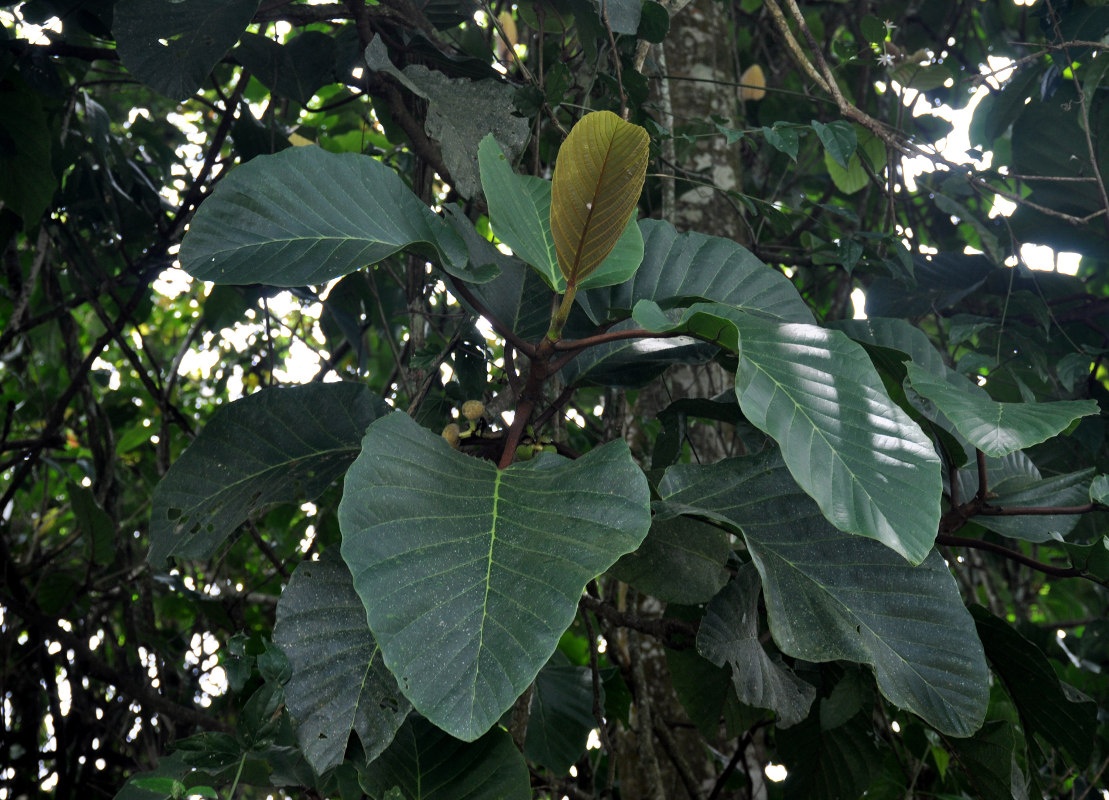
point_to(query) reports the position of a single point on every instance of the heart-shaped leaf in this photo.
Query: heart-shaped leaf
(305, 216)
(830, 596)
(470, 574)
(993, 427)
(597, 180)
(273, 446)
(339, 682)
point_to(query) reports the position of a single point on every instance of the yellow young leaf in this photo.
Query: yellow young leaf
(597, 180)
(754, 83)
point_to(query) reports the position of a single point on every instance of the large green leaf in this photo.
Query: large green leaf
(870, 468)
(692, 265)
(273, 446)
(339, 683)
(172, 45)
(470, 574)
(1045, 707)
(996, 428)
(597, 180)
(830, 596)
(729, 634)
(424, 763)
(305, 216)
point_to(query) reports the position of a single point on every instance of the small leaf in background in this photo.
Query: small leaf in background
(1099, 490)
(654, 22)
(470, 574)
(993, 427)
(752, 83)
(839, 140)
(597, 181)
(783, 138)
(561, 716)
(855, 176)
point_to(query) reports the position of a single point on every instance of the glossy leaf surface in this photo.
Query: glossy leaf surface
(866, 463)
(470, 574)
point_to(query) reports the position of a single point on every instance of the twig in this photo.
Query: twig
(1012, 555)
(675, 633)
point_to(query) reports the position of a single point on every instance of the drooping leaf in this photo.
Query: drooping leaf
(561, 716)
(831, 596)
(172, 45)
(597, 180)
(425, 763)
(273, 446)
(870, 468)
(304, 216)
(339, 683)
(680, 561)
(997, 428)
(1044, 706)
(855, 176)
(470, 574)
(451, 120)
(729, 634)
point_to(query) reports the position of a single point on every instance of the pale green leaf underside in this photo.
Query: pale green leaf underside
(339, 682)
(305, 216)
(470, 574)
(277, 445)
(869, 467)
(830, 596)
(993, 427)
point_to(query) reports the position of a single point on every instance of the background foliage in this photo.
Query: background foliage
(203, 634)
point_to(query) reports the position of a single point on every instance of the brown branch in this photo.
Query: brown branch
(576, 345)
(1012, 555)
(676, 634)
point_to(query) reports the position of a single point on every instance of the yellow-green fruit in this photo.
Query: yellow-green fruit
(525, 452)
(473, 409)
(453, 435)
